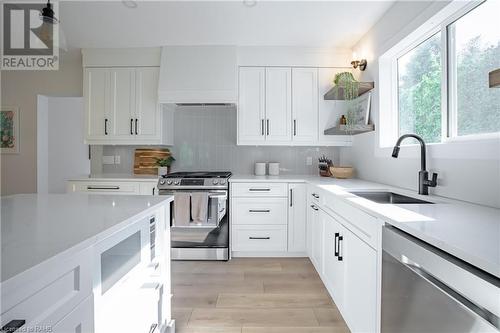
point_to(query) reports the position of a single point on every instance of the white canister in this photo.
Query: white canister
(274, 169)
(260, 169)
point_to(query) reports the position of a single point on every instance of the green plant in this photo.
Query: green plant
(165, 162)
(347, 83)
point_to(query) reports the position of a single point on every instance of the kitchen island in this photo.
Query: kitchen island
(63, 253)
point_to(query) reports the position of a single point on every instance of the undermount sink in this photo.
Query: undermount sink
(389, 198)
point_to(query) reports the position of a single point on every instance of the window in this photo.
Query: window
(474, 44)
(419, 90)
(439, 84)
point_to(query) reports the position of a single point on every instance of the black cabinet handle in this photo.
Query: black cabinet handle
(314, 207)
(13, 326)
(136, 120)
(267, 126)
(131, 124)
(262, 127)
(335, 245)
(291, 197)
(259, 210)
(103, 187)
(259, 189)
(341, 238)
(259, 237)
(315, 195)
(295, 127)
(105, 126)
(153, 191)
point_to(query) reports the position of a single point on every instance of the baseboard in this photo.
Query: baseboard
(267, 254)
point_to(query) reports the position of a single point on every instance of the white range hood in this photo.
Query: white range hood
(198, 75)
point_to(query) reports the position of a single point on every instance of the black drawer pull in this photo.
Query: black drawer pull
(259, 210)
(314, 207)
(13, 326)
(335, 245)
(265, 238)
(131, 125)
(103, 187)
(315, 195)
(341, 238)
(259, 189)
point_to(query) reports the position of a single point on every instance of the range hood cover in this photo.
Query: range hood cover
(198, 75)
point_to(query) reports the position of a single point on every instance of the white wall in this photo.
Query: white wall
(467, 171)
(20, 89)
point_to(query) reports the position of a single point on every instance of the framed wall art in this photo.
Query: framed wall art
(9, 130)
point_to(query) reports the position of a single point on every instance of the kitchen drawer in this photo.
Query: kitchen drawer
(315, 195)
(80, 320)
(42, 297)
(261, 211)
(259, 238)
(259, 189)
(365, 226)
(104, 187)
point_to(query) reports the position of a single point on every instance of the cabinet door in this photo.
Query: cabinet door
(146, 98)
(122, 97)
(334, 267)
(317, 240)
(360, 286)
(311, 210)
(305, 105)
(297, 215)
(278, 105)
(96, 91)
(330, 111)
(251, 105)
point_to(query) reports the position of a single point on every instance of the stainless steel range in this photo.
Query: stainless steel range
(199, 214)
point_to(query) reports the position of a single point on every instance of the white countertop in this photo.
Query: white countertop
(116, 177)
(467, 231)
(37, 227)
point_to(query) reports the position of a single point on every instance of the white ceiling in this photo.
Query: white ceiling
(338, 24)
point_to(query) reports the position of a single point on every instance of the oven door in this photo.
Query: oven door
(212, 233)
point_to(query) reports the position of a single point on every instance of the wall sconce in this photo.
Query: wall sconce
(359, 63)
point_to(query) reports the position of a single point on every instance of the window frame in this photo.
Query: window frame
(442, 22)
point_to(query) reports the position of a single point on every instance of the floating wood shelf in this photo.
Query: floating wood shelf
(334, 94)
(349, 130)
(495, 78)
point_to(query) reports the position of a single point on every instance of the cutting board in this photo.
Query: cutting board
(145, 160)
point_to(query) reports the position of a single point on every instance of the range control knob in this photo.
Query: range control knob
(222, 181)
(176, 182)
(162, 182)
(215, 182)
(169, 182)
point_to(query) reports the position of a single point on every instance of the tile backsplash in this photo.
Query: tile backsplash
(205, 139)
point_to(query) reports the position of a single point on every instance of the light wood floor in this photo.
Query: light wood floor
(270, 295)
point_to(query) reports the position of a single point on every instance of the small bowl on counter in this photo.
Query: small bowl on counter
(342, 172)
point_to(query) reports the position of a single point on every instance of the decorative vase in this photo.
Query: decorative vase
(163, 171)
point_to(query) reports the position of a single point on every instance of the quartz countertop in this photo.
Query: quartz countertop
(116, 177)
(36, 227)
(467, 231)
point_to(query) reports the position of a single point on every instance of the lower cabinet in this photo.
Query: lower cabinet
(350, 274)
(316, 239)
(268, 219)
(113, 187)
(80, 320)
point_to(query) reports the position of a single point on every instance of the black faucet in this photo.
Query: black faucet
(423, 176)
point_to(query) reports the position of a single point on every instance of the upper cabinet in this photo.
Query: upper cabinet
(121, 102)
(285, 106)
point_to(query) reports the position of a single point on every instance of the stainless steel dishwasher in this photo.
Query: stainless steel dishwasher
(426, 290)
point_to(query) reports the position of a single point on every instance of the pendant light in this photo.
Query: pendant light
(50, 24)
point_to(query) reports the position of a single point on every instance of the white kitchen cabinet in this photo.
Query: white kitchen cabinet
(251, 105)
(360, 285)
(329, 112)
(121, 105)
(80, 320)
(317, 228)
(148, 188)
(96, 89)
(260, 211)
(98, 186)
(333, 260)
(305, 105)
(259, 238)
(297, 216)
(278, 104)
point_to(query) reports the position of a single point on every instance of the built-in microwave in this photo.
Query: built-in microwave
(128, 288)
